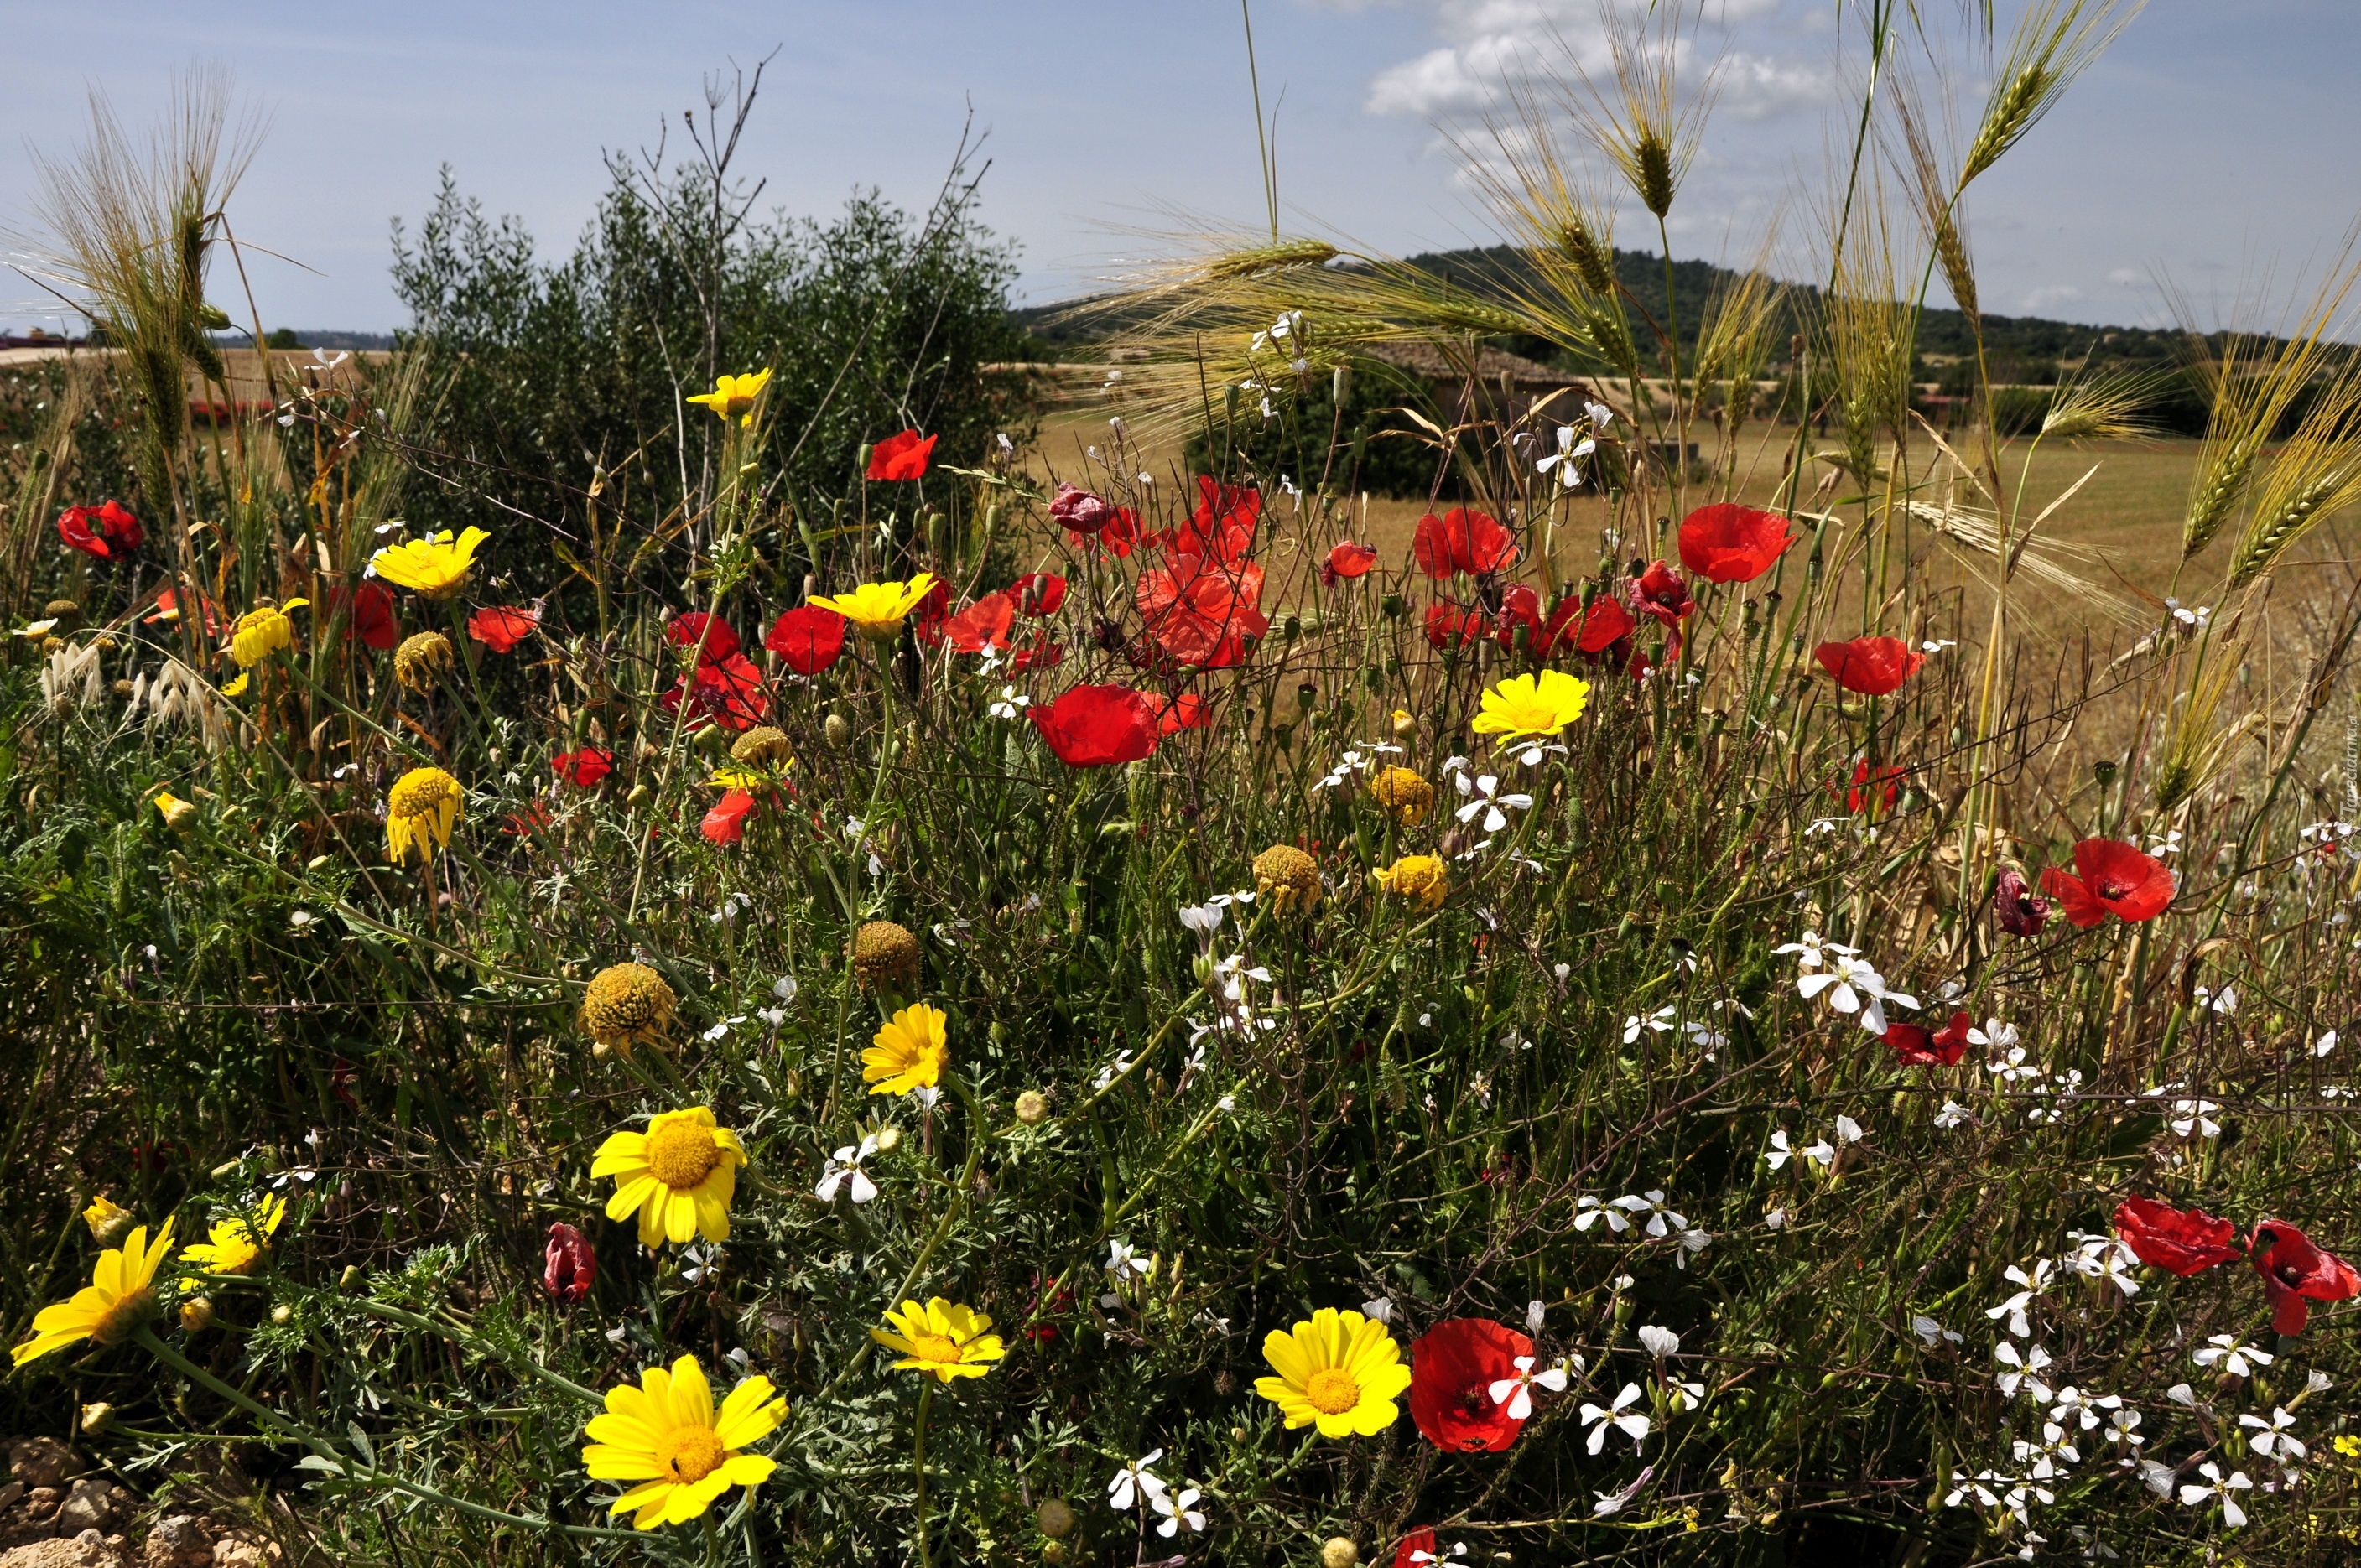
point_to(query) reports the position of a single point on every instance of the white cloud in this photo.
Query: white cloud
(2127, 278)
(2049, 296)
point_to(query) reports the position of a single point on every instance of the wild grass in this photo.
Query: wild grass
(1587, 1093)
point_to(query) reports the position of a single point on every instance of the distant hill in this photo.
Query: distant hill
(312, 337)
(2022, 348)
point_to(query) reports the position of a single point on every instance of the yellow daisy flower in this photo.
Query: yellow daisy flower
(680, 1175)
(232, 1247)
(1424, 880)
(420, 810)
(107, 1220)
(236, 687)
(121, 1296)
(437, 567)
(942, 1339)
(259, 634)
(733, 396)
(878, 609)
(1339, 1372)
(1532, 705)
(907, 1053)
(666, 1435)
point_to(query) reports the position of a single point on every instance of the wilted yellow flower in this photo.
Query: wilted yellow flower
(422, 656)
(884, 955)
(179, 815)
(1288, 877)
(763, 747)
(1424, 880)
(232, 1247)
(1338, 1371)
(907, 1053)
(1402, 793)
(1532, 705)
(107, 1221)
(733, 396)
(262, 633)
(437, 567)
(121, 1296)
(878, 609)
(421, 809)
(666, 1435)
(236, 686)
(680, 1175)
(626, 1004)
(940, 1339)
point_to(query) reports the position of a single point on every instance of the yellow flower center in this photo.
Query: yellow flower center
(934, 1347)
(690, 1453)
(235, 1252)
(420, 793)
(114, 1325)
(1333, 1391)
(682, 1155)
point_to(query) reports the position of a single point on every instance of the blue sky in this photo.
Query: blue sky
(2213, 145)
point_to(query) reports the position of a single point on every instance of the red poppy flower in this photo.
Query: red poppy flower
(1187, 711)
(1870, 665)
(1914, 1046)
(2113, 878)
(1348, 560)
(1453, 1366)
(1604, 624)
(500, 627)
(931, 613)
(1118, 537)
(167, 608)
(104, 530)
(709, 634)
(725, 823)
(585, 768)
(902, 457)
(1222, 528)
(533, 817)
(808, 638)
(2176, 1241)
(1202, 611)
(1448, 626)
(2017, 909)
(1660, 594)
(568, 1266)
(1095, 727)
(981, 625)
(1520, 606)
(1041, 653)
(1727, 543)
(728, 692)
(1039, 593)
(2296, 1273)
(369, 612)
(1417, 1550)
(1886, 788)
(1078, 512)
(1461, 541)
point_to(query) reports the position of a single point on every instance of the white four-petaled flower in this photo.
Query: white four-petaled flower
(1599, 1418)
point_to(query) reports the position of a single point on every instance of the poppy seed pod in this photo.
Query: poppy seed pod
(1288, 877)
(65, 612)
(421, 659)
(885, 955)
(626, 1004)
(837, 730)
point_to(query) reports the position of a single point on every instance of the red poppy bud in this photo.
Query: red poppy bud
(569, 1267)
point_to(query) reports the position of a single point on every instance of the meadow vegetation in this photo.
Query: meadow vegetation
(641, 932)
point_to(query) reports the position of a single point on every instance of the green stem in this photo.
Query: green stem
(918, 1462)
